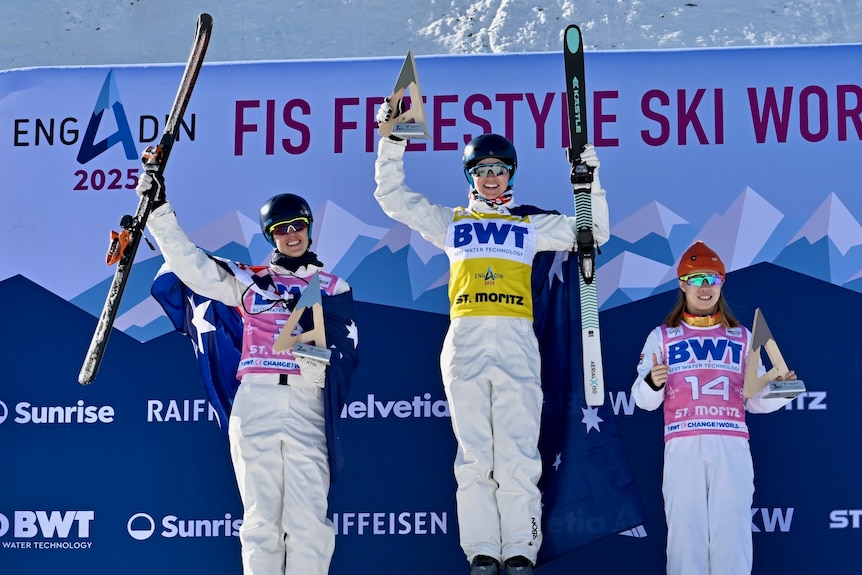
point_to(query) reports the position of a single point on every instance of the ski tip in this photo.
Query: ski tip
(573, 39)
(205, 20)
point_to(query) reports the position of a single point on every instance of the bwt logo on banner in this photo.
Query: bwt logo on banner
(47, 529)
(26, 412)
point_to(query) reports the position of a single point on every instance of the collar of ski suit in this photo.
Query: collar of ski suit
(702, 320)
(500, 205)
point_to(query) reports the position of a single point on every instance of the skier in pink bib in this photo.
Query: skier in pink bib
(283, 435)
(694, 364)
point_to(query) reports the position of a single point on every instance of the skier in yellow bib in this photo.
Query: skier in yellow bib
(490, 359)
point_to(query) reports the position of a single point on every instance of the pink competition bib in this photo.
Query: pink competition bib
(703, 394)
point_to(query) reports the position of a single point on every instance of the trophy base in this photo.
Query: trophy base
(785, 389)
(312, 352)
(410, 130)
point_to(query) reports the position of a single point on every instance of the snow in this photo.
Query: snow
(106, 32)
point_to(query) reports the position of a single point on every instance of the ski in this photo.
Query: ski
(582, 177)
(124, 245)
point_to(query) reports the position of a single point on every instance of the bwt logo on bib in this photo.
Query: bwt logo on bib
(486, 233)
(704, 349)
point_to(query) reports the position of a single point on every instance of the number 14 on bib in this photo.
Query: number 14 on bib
(582, 178)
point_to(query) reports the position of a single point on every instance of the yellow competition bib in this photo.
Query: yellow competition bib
(491, 258)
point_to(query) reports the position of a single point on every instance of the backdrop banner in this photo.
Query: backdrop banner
(754, 151)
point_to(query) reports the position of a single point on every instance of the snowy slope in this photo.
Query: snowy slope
(68, 33)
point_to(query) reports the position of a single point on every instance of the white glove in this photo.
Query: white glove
(148, 181)
(384, 112)
(590, 157)
(601, 224)
(312, 370)
(386, 115)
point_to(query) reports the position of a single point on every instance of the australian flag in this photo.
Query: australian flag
(587, 487)
(215, 330)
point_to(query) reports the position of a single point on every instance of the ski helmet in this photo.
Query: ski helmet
(280, 209)
(489, 146)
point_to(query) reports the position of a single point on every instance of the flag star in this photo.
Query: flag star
(201, 324)
(353, 333)
(556, 269)
(591, 419)
(558, 461)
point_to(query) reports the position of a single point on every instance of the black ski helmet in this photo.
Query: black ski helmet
(489, 146)
(280, 209)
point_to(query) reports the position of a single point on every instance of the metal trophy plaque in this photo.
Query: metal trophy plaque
(761, 338)
(300, 343)
(411, 123)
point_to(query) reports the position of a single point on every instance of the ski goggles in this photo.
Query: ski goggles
(485, 170)
(697, 280)
(284, 228)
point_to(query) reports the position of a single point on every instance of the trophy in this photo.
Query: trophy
(410, 123)
(761, 338)
(300, 343)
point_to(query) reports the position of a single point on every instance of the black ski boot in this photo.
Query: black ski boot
(518, 565)
(484, 565)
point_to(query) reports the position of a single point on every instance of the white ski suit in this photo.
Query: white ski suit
(490, 359)
(708, 479)
(277, 433)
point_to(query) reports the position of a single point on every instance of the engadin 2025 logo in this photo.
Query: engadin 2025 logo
(108, 113)
(109, 102)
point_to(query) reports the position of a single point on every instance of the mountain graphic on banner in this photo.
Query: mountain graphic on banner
(395, 266)
(830, 242)
(638, 260)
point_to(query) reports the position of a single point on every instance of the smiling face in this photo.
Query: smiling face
(291, 239)
(701, 290)
(493, 181)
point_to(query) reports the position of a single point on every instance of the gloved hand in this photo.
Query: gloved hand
(385, 116)
(148, 181)
(591, 158)
(312, 370)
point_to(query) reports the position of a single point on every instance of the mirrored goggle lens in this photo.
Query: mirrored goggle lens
(697, 280)
(285, 228)
(485, 170)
